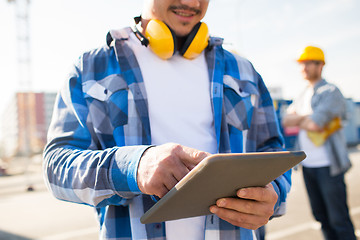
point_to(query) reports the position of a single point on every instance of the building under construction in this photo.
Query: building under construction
(25, 123)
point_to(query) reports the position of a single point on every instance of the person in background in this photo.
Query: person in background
(319, 112)
(136, 115)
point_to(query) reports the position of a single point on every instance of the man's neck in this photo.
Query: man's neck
(314, 82)
(180, 42)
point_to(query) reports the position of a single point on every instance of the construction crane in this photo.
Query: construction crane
(24, 80)
(23, 43)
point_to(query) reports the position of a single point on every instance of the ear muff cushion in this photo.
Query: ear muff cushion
(196, 42)
(161, 39)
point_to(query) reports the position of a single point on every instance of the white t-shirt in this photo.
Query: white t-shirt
(180, 111)
(315, 156)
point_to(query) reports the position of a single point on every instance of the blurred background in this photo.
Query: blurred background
(41, 39)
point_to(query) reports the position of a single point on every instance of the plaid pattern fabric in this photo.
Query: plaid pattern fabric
(100, 129)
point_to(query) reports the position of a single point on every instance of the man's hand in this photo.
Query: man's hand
(161, 167)
(304, 122)
(251, 210)
(292, 120)
(309, 125)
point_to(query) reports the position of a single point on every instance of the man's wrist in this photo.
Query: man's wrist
(124, 168)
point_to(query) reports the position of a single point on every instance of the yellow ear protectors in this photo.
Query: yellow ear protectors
(196, 42)
(162, 39)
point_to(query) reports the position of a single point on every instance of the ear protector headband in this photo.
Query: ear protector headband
(162, 40)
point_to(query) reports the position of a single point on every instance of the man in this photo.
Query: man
(133, 120)
(318, 112)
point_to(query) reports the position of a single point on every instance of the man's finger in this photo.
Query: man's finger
(170, 182)
(245, 206)
(261, 194)
(180, 171)
(190, 157)
(161, 191)
(243, 220)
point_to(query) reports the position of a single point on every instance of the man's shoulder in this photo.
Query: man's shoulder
(235, 56)
(97, 52)
(237, 64)
(107, 48)
(326, 88)
(98, 63)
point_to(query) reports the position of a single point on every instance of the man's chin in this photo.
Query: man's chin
(182, 32)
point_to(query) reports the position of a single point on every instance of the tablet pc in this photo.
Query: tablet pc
(218, 176)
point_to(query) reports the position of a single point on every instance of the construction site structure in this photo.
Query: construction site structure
(24, 74)
(22, 9)
(27, 113)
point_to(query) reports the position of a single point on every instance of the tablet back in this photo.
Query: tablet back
(217, 176)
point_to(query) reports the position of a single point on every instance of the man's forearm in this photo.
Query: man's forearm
(309, 125)
(304, 122)
(96, 178)
(292, 120)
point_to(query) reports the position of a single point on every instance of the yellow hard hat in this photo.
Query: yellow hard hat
(311, 53)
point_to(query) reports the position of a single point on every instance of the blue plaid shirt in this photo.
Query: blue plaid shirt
(100, 128)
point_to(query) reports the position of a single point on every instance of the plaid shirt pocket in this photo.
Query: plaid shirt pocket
(239, 102)
(107, 100)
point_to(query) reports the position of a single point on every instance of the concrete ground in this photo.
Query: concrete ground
(38, 215)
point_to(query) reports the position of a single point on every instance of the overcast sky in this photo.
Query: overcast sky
(269, 33)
